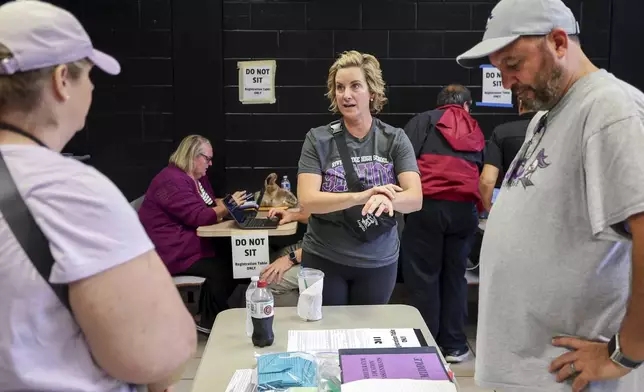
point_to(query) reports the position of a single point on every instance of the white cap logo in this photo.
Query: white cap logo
(488, 21)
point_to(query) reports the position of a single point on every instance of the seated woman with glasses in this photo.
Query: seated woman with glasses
(178, 201)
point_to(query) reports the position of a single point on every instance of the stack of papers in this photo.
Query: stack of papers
(242, 381)
(285, 370)
(336, 339)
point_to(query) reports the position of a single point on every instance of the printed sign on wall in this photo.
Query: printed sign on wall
(250, 254)
(257, 81)
(493, 92)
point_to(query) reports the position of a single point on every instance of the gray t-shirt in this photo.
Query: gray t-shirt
(551, 262)
(378, 158)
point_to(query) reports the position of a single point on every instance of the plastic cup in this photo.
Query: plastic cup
(306, 278)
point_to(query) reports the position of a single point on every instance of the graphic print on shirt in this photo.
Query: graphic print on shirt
(524, 174)
(373, 170)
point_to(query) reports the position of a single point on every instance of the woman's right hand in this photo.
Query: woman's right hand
(377, 205)
(239, 197)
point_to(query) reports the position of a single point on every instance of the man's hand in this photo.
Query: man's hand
(285, 216)
(589, 361)
(276, 270)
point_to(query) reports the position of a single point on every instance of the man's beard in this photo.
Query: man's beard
(547, 86)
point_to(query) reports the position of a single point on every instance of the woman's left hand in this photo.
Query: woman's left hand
(220, 209)
(377, 204)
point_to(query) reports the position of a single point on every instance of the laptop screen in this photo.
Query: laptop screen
(235, 212)
(239, 214)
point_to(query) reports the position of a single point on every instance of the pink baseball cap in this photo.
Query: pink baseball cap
(41, 35)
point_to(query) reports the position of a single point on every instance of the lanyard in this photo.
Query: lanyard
(527, 154)
(11, 128)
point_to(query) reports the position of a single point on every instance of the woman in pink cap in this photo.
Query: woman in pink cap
(86, 303)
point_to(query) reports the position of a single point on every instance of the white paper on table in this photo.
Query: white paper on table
(335, 339)
(242, 381)
(391, 385)
(309, 304)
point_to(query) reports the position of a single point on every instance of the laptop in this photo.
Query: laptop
(247, 218)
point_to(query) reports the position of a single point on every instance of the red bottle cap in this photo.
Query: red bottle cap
(262, 284)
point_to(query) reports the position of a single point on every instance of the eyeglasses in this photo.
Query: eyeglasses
(208, 159)
(517, 171)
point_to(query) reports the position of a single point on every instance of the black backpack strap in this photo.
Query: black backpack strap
(27, 232)
(353, 181)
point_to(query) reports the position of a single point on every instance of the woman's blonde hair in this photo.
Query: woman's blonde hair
(372, 73)
(189, 148)
(22, 91)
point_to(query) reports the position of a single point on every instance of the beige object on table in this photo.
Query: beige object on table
(229, 228)
(228, 348)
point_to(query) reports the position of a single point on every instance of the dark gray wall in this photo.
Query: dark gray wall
(179, 72)
(627, 31)
(416, 42)
(170, 52)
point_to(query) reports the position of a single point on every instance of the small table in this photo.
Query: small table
(246, 264)
(229, 349)
(229, 228)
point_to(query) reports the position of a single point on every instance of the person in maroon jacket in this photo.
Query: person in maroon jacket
(178, 201)
(436, 240)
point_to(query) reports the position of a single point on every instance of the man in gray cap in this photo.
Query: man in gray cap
(562, 262)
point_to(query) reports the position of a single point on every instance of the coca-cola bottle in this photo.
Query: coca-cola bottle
(261, 304)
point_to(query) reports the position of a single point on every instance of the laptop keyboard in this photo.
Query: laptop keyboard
(260, 223)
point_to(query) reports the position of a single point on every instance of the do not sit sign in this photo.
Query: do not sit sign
(250, 254)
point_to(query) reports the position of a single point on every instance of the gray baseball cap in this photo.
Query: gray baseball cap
(41, 35)
(511, 19)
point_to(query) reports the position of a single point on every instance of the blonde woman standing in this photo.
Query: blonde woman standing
(351, 235)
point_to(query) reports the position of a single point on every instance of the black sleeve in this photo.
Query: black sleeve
(416, 134)
(481, 161)
(493, 152)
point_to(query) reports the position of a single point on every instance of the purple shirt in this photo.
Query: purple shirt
(171, 212)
